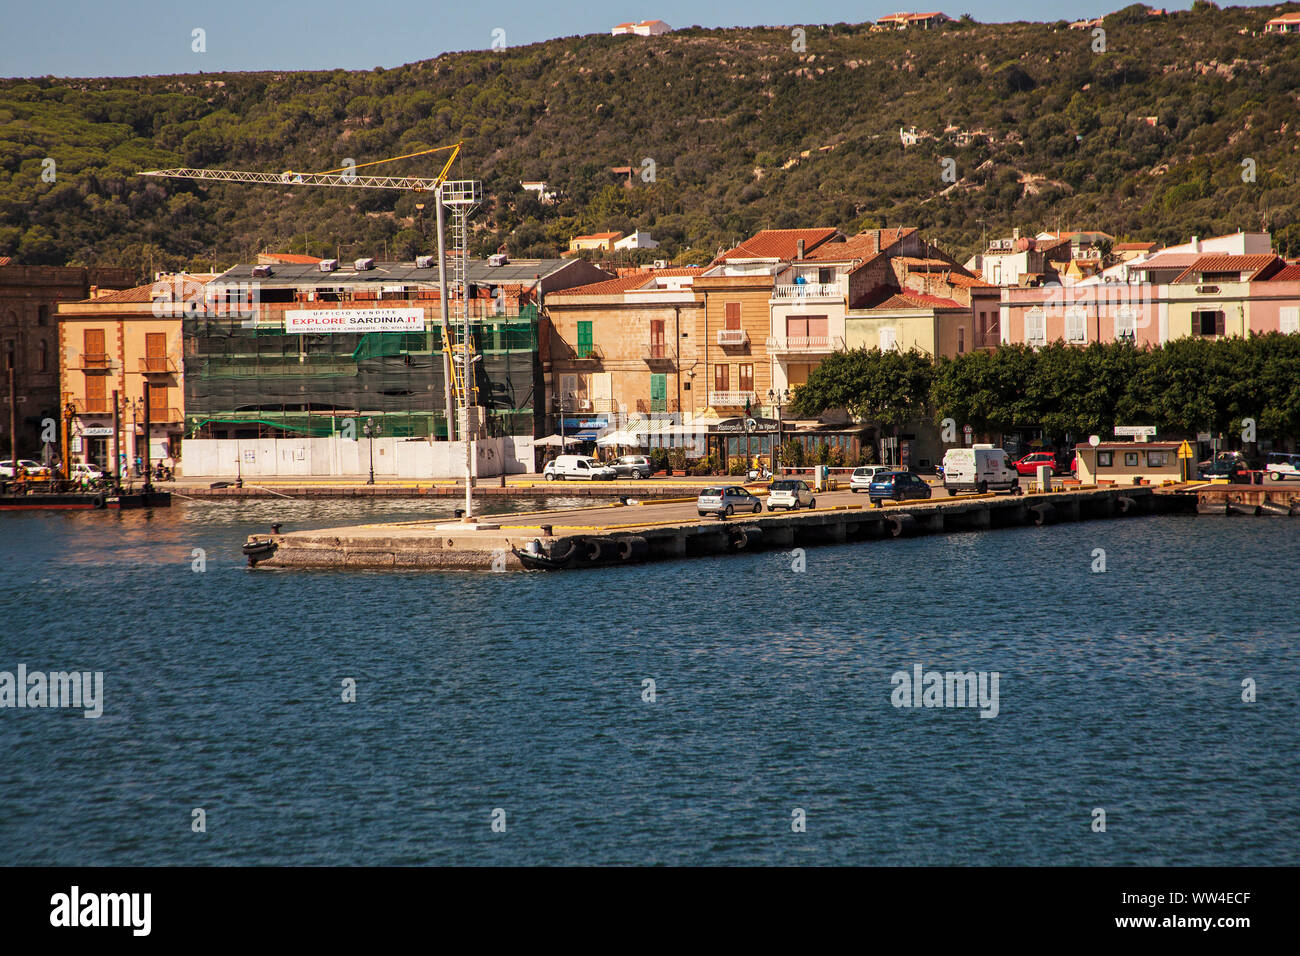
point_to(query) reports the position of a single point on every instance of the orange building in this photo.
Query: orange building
(119, 342)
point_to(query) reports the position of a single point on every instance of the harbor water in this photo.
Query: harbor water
(730, 710)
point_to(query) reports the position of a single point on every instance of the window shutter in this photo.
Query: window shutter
(1218, 323)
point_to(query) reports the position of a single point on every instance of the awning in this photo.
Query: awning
(555, 440)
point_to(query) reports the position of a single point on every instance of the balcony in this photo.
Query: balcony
(94, 362)
(656, 352)
(92, 406)
(800, 291)
(157, 366)
(735, 338)
(161, 416)
(587, 353)
(805, 344)
(731, 399)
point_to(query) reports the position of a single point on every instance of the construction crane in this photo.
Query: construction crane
(461, 196)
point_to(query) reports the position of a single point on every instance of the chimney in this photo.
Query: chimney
(798, 249)
(1196, 244)
(1015, 233)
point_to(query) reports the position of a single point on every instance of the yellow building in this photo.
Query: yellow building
(905, 320)
(113, 345)
(603, 241)
(1129, 462)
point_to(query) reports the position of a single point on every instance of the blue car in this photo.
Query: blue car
(897, 486)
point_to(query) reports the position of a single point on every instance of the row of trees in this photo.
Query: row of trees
(1185, 386)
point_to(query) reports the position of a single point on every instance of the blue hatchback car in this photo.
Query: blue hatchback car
(897, 486)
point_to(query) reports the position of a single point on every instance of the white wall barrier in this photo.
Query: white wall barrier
(340, 457)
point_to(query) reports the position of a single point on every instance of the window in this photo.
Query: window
(1126, 325)
(158, 402)
(1036, 327)
(1105, 459)
(658, 393)
(1288, 320)
(721, 378)
(888, 340)
(1157, 459)
(825, 276)
(1207, 323)
(1130, 459)
(43, 357)
(93, 349)
(1076, 326)
(745, 377)
(961, 339)
(658, 349)
(584, 339)
(96, 393)
(42, 315)
(732, 313)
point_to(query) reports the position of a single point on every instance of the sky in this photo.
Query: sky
(135, 37)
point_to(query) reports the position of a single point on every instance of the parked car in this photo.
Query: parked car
(1028, 465)
(1281, 465)
(633, 466)
(1234, 469)
(790, 494)
(86, 470)
(577, 466)
(980, 468)
(897, 486)
(860, 480)
(726, 500)
(31, 469)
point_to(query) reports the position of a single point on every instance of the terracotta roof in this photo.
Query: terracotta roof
(1289, 273)
(1133, 247)
(627, 283)
(1253, 264)
(970, 282)
(861, 246)
(1169, 260)
(291, 258)
(778, 244)
(148, 292)
(1293, 17)
(599, 235)
(893, 299)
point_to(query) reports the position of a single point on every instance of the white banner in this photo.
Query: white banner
(354, 320)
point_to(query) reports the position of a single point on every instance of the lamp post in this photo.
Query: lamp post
(419, 210)
(372, 429)
(777, 399)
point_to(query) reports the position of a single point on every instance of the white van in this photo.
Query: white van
(578, 466)
(980, 468)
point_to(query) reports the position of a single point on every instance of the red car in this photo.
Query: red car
(1028, 465)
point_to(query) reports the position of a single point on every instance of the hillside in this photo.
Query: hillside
(1145, 140)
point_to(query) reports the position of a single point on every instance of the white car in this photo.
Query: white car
(1281, 465)
(862, 476)
(85, 469)
(790, 494)
(578, 466)
(31, 469)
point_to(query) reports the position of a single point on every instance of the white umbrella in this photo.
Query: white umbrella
(557, 440)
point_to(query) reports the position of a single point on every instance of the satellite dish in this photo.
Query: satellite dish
(1094, 441)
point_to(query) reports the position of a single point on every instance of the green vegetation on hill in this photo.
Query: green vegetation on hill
(743, 131)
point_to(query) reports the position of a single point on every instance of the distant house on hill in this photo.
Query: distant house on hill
(1085, 24)
(646, 28)
(597, 240)
(539, 187)
(1286, 23)
(637, 240)
(921, 21)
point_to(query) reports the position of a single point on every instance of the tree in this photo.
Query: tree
(888, 388)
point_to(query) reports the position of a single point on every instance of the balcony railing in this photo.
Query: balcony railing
(808, 290)
(656, 352)
(805, 344)
(731, 399)
(588, 353)
(733, 337)
(160, 365)
(94, 362)
(92, 406)
(161, 416)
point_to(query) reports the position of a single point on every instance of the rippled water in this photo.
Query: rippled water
(1120, 690)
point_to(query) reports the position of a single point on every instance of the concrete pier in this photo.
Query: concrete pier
(614, 534)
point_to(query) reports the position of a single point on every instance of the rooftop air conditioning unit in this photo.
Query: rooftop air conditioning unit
(328, 265)
(497, 259)
(661, 263)
(261, 272)
(361, 265)
(424, 262)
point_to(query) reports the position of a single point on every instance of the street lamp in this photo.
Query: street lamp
(372, 430)
(777, 399)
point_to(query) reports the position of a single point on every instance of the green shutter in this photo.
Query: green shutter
(658, 393)
(584, 339)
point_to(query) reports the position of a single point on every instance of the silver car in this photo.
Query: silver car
(790, 494)
(726, 500)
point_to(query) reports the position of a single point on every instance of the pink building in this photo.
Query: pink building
(1081, 314)
(1275, 303)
